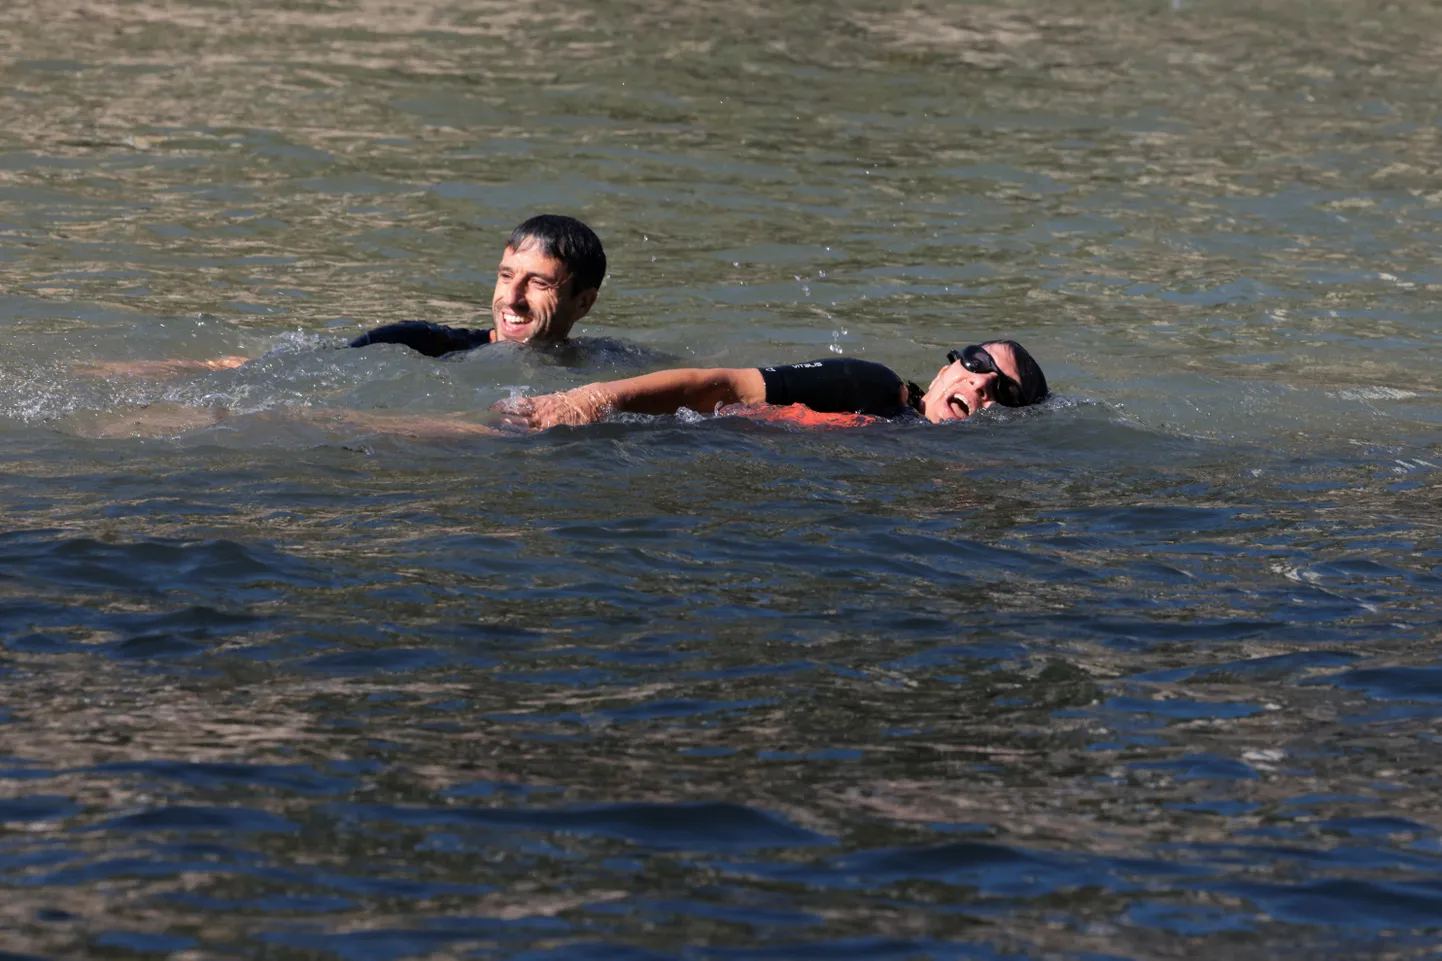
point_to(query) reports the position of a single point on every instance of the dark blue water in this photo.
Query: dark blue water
(1145, 672)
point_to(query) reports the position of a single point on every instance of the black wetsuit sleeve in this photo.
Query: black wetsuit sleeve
(837, 385)
(433, 340)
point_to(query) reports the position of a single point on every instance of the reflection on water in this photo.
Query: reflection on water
(1144, 672)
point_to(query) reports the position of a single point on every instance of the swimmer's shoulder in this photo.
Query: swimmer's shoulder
(423, 336)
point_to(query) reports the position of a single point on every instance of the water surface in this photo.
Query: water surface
(1144, 672)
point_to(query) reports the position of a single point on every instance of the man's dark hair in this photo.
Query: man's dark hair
(569, 241)
(1033, 381)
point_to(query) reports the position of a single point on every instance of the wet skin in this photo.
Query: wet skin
(956, 393)
(534, 300)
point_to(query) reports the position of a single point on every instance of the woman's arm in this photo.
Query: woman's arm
(664, 392)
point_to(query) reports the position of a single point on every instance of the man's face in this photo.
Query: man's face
(534, 302)
(956, 393)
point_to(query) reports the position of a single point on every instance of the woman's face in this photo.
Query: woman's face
(956, 393)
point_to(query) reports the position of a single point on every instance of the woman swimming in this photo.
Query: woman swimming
(974, 378)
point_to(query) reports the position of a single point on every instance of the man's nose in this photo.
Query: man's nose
(514, 292)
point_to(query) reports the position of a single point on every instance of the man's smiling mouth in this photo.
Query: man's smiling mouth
(958, 406)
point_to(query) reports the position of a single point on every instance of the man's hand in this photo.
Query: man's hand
(584, 405)
(420, 426)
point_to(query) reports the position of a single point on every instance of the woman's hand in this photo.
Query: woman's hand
(584, 405)
(701, 389)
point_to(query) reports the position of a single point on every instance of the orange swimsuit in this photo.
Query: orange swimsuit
(796, 415)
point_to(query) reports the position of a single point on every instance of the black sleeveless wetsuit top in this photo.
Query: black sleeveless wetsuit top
(433, 340)
(840, 385)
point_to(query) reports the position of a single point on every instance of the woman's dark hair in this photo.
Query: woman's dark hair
(1033, 381)
(569, 241)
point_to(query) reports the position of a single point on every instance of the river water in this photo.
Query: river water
(1145, 672)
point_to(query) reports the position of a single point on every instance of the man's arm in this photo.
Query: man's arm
(420, 426)
(169, 420)
(664, 392)
(433, 340)
(156, 368)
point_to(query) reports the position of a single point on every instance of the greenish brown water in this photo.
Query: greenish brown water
(1145, 672)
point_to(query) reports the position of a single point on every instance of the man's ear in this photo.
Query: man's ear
(584, 300)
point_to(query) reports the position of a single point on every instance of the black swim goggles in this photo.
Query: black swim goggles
(978, 361)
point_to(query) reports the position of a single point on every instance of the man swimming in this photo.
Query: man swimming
(549, 276)
(974, 378)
